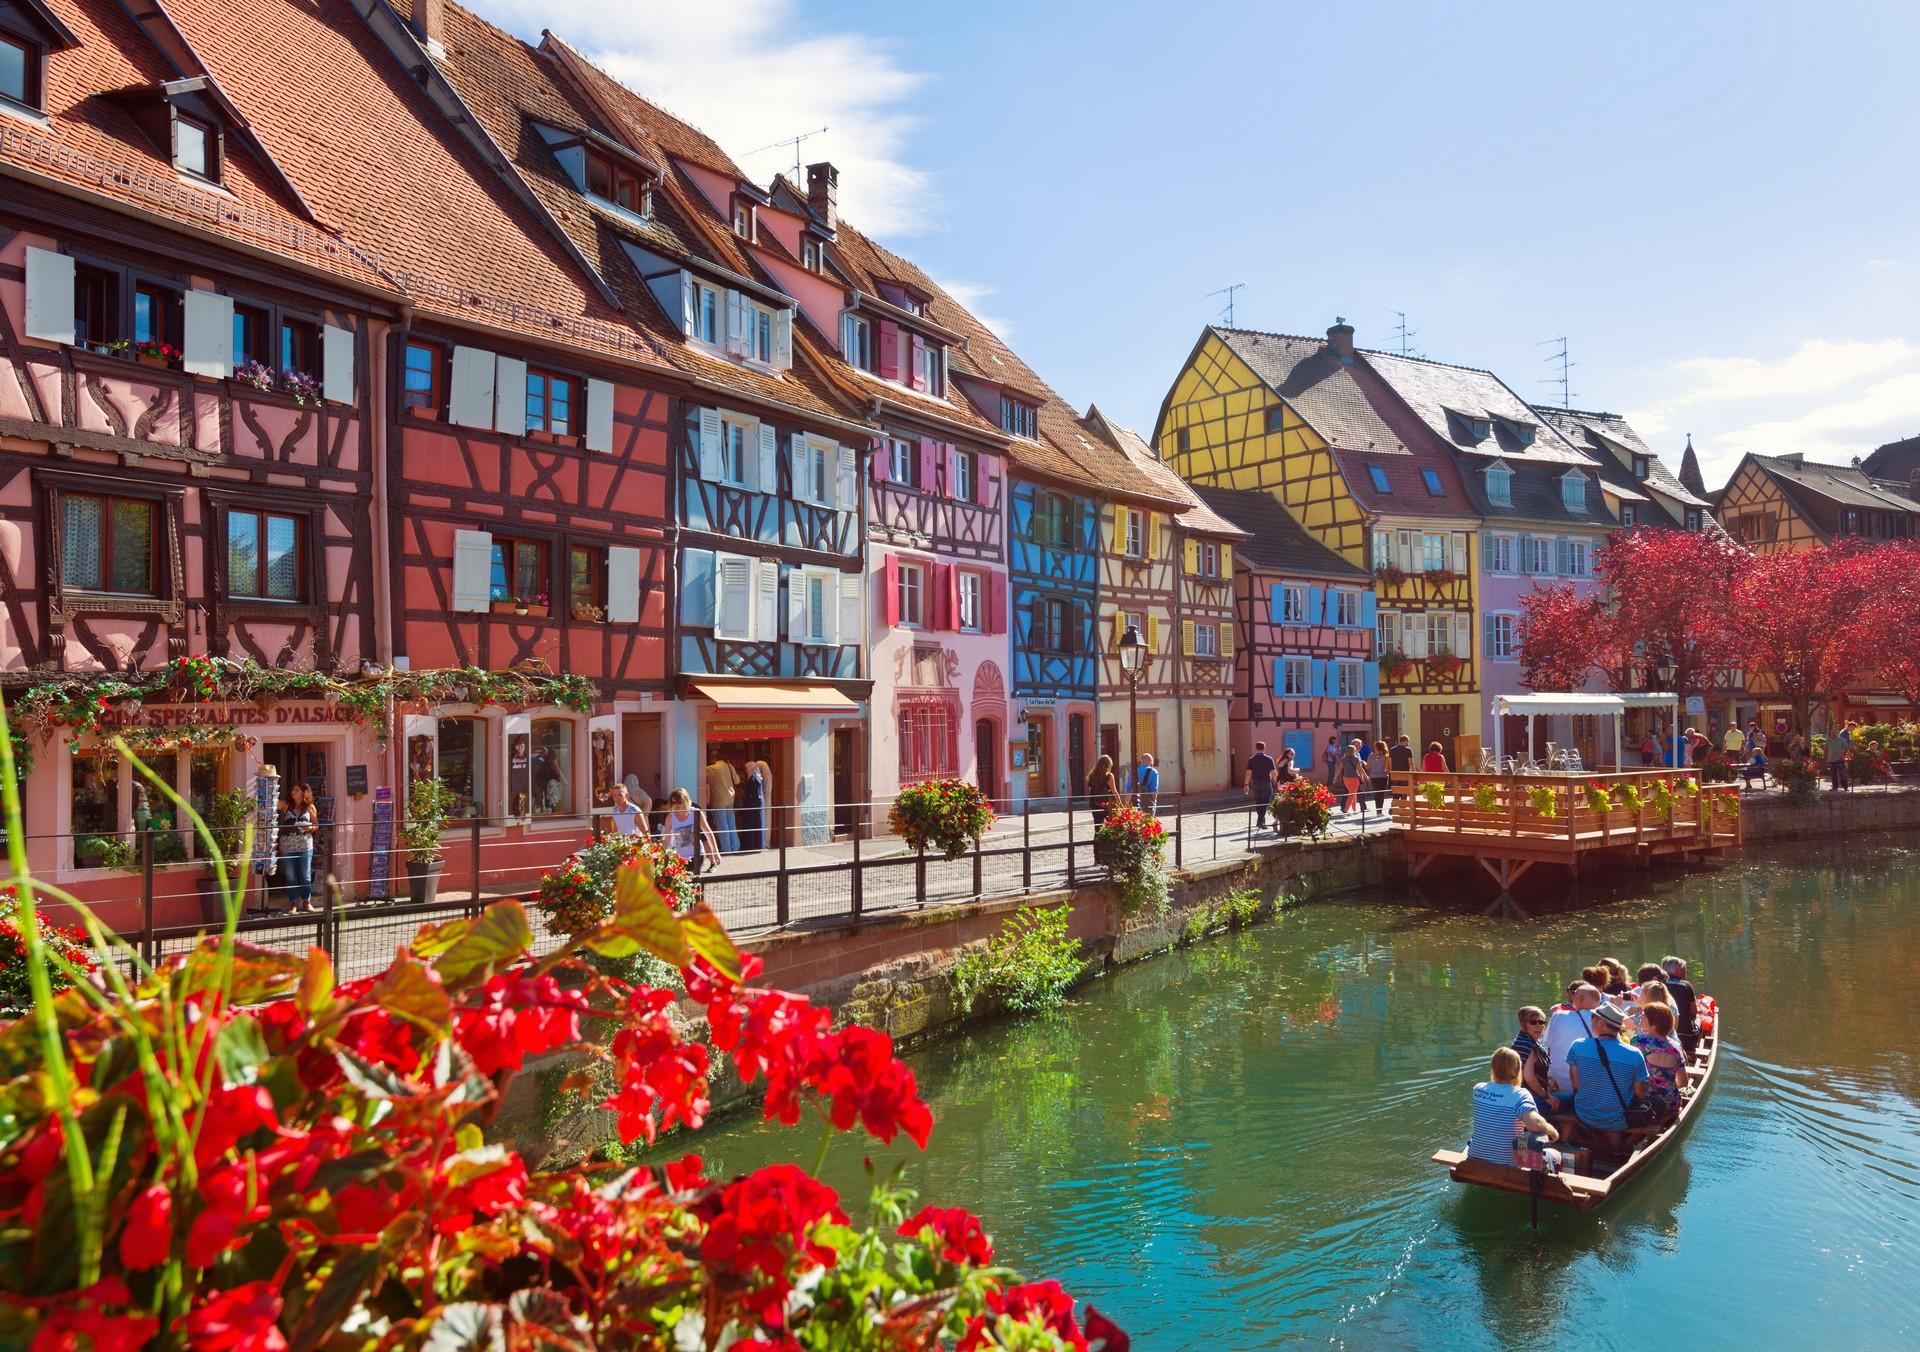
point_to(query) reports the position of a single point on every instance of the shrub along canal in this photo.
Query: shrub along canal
(1227, 1147)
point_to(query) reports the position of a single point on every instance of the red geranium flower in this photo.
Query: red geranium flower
(962, 1240)
(148, 1232)
(244, 1319)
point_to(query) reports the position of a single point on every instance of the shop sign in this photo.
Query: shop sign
(748, 729)
(356, 781)
(1696, 705)
(379, 866)
(223, 715)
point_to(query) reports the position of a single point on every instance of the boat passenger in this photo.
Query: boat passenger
(1503, 1115)
(1649, 971)
(1532, 1053)
(1666, 1063)
(1607, 1075)
(1616, 976)
(1653, 993)
(1680, 993)
(1565, 1028)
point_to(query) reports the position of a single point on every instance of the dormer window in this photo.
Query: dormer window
(1640, 467)
(1519, 433)
(1464, 427)
(742, 219)
(27, 33)
(1500, 485)
(188, 121)
(1573, 492)
(931, 361)
(1020, 419)
(615, 183)
(196, 147)
(810, 254)
(19, 71)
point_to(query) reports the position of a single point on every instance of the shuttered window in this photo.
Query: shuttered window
(586, 582)
(553, 403)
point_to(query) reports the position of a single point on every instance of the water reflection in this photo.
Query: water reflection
(1228, 1147)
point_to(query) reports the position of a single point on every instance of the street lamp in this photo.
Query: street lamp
(1664, 671)
(1133, 665)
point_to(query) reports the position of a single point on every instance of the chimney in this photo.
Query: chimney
(823, 192)
(429, 24)
(1913, 485)
(1794, 457)
(1340, 339)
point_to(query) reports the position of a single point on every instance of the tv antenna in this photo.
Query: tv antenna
(1227, 291)
(1405, 335)
(1563, 379)
(799, 183)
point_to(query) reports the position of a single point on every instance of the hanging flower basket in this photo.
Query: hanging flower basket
(1598, 799)
(1302, 808)
(1134, 846)
(948, 815)
(1546, 803)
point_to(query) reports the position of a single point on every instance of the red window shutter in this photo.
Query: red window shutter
(917, 370)
(889, 350)
(929, 465)
(997, 604)
(882, 461)
(953, 596)
(940, 604)
(890, 590)
(953, 467)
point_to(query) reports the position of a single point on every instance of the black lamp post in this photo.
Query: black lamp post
(1133, 665)
(1664, 671)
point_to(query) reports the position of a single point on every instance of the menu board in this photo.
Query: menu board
(379, 866)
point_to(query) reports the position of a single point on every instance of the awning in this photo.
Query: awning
(1558, 704)
(787, 697)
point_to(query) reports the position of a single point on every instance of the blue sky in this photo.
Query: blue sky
(1714, 203)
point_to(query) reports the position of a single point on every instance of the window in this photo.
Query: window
(1693, 518)
(551, 400)
(95, 804)
(905, 468)
(156, 314)
(1379, 478)
(1383, 549)
(970, 602)
(1386, 638)
(1465, 427)
(519, 571)
(1431, 478)
(615, 183)
(1053, 625)
(1538, 555)
(1503, 641)
(1183, 440)
(733, 609)
(96, 305)
(263, 555)
(1433, 552)
(926, 740)
(1136, 542)
(810, 254)
(816, 593)
(813, 467)
(586, 582)
(1629, 517)
(733, 452)
(552, 767)
(964, 470)
(743, 220)
(1497, 550)
(1576, 559)
(251, 325)
(1018, 418)
(1296, 676)
(1206, 640)
(1293, 603)
(299, 346)
(1640, 467)
(1500, 485)
(1573, 492)
(1346, 609)
(856, 341)
(1350, 680)
(107, 544)
(421, 379)
(759, 341)
(463, 765)
(1276, 419)
(912, 580)
(932, 363)
(19, 71)
(196, 147)
(1051, 518)
(1439, 633)
(706, 314)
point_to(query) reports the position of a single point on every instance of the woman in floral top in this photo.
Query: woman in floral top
(1666, 1063)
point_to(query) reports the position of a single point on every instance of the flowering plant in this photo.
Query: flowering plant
(1445, 665)
(1726, 803)
(257, 374)
(1598, 798)
(304, 388)
(1441, 577)
(1303, 807)
(151, 348)
(1391, 573)
(1626, 794)
(948, 814)
(75, 958)
(1546, 803)
(1394, 665)
(197, 676)
(1715, 768)
(1485, 798)
(234, 1150)
(1663, 799)
(1869, 765)
(1800, 777)
(1435, 793)
(1134, 845)
(578, 894)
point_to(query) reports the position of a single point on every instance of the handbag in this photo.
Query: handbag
(1639, 1113)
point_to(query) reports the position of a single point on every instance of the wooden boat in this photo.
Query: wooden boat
(1582, 1191)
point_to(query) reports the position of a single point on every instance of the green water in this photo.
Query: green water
(1227, 1148)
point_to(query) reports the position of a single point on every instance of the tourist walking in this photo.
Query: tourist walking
(1435, 761)
(1351, 772)
(722, 782)
(1146, 785)
(1101, 789)
(1259, 781)
(1401, 757)
(1330, 762)
(1839, 747)
(748, 800)
(625, 816)
(1377, 773)
(687, 832)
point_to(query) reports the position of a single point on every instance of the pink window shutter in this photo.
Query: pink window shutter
(953, 597)
(890, 590)
(917, 372)
(882, 461)
(889, 350)
(941, 578)
(997, 604)
(929, 465)
(953, 468)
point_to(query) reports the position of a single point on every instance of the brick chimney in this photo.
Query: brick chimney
(823, 192)
(429, 23)
(1340, 339)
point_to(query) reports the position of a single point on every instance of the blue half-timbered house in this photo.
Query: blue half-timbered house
(1053, 572)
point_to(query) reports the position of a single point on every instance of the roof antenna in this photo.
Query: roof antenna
(1228, 291)
(799, 183)
(1405, 335)
(1566, 369)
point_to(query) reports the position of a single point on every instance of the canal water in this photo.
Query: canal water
(1227, 1148)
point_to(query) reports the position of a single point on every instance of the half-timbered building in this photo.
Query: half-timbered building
(1640, 489)
(1785, 504)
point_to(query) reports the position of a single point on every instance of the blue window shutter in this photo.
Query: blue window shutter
(1316, 605)
(1486, 634)
(1372, 677)
(1367, 617)
(1274, 602)
(1280, 676)
(1317, 680)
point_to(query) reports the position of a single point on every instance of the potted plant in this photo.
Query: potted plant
(1394, 665)
(948, 814)
(255, 375)
(588, 612)
(429, 802)
(1134, 845)
(304, 389)
(1302, 807)
(151, 352)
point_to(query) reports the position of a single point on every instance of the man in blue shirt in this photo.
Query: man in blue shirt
(1607, 1074)
(1146, 784)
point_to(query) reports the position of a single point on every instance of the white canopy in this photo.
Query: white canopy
(1612, 706)
(1559, 704)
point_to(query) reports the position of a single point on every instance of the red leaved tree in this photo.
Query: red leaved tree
(1564, 636)
(1672, 602)
(1795, 613)
(1878, 644)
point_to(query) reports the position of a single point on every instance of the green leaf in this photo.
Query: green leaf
(408, 991)
(316, 983)
(474, 947)
(259, 974)
(352, 1276)
(370, 1078)
(240, 1048)
(642, 920)
(467, 1327)
(709, 938)
(461, 1169)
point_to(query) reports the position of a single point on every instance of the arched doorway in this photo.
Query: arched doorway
(989, 717)
(986, 742)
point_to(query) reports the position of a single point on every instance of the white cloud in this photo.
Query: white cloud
(1829, 399)
(749, 72)
(970, 295)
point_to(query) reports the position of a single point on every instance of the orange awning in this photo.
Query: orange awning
(791, 696)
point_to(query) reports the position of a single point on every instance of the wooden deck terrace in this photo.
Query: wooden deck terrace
(1512, 822)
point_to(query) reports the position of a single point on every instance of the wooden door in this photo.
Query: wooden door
(846, 747)
(1438, 723)
(986, 758)
(1076, 755)
(1110, 742)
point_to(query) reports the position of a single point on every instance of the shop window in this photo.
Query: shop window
(586, 582)
(106, 544)
(552, 767)
(519, 571)
(263, 555)
(422, 380)
(204, 774)
(463, 765)
(95, 807)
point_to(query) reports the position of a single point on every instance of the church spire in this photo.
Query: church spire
(1690, 471)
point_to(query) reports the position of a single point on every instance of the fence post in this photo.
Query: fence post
(473, 904)
(976, 869)
(1177, 849)
(146, 893)
(330, 926)
(1069, 840)
(782, 888)
(920, 878)
(1026, 847)
(859, 897)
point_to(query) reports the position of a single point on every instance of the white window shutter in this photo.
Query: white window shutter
(710, 431)
(472, 570)
(50, 296)
(736, 339)
(510, 397)
(623, 585)
(1462, 635)
(769, 476)
(767, 617)
(599, 415)
(850, 616)
(797, 626)
(687, 298)
(470, 399)
(783, 340)
(849, 480)
(802, 481)
(336, 362)
(208, 337)
(733, 596)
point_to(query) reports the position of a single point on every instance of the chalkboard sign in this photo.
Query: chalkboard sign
(356, 781)
(379, 867)
(519, 774)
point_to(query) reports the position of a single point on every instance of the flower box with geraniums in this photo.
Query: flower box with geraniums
(150, 352)
(1391, 574)
(71, 958)
(1800, 777)
(1302, 808)
(429, 803)
(1715, 768)
(1599, 797)
(1546, 802)
(1394, 665)
(1133, 844)
(1445, 667)
(239, 1151)
(947, 815)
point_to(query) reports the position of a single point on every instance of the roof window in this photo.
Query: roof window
(28, 32)
(1573, 491)
(617, 184)
(1431, 478)
(1641, 467)
(1466, 427)
(1379, 478)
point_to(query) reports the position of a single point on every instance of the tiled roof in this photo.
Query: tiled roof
(1320, 387)
(1536, 493)
(1198, 516)
(1596, 430)
(1274, 538)
(1895, 461)
(1843, 485)
(1432, 388)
